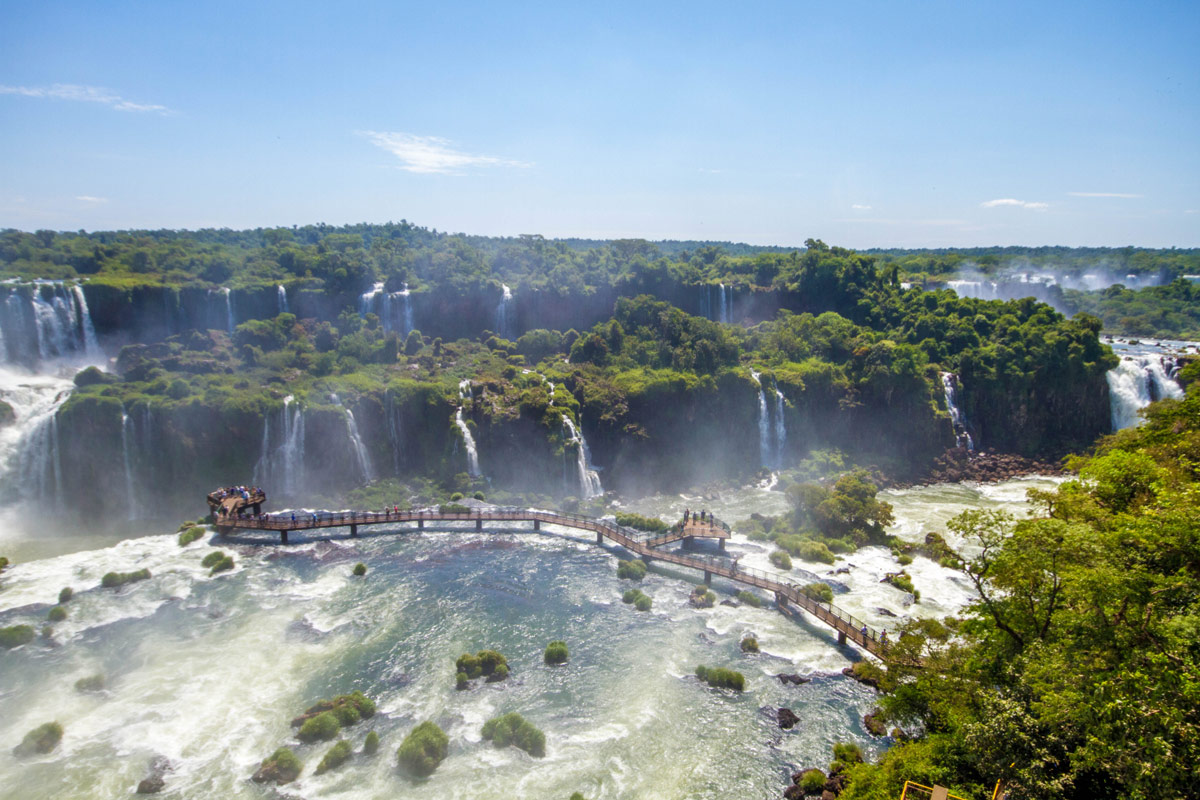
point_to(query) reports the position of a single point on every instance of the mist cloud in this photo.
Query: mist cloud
(1008, 201)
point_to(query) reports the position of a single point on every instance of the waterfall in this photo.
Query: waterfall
(962, 437)
(125, 447)
(764, 424)
(43, 321)
(281, 293)
(228, 308)
(366, 300)
(589, 479)
(1134, 384)
(91, 347)
(360, 449)
(406, 302)
(723, 311)
(780, 428)
(503, 312)
(464, 393)
(392, 410)
(280, 466)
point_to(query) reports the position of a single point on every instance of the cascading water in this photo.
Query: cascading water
(280, 466)
(393, 411)
(724, 312)
(386, 311)
(29, 447)
(589, 479)
(464, 393)
(780, 428)
(281, 293)
(504, 312)
(130, 503)
(44, 321)
(1137, 382)
(360, 449)
(764, 424)
(962, 437)
(228, 308)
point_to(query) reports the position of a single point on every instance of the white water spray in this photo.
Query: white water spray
(129, 490)
(281, 294)
(360, 449)
(1137, 382)
(503, 312)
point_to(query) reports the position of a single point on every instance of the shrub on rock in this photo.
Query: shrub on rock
(65, 595)
(721, 678)
(223, 564)
(556, 653)
(190, 535)
(631, 569)
(57, 614)
(112, 580)
(749, 598)
(819, 591)
(360, 569)
(322, 727)
(780, 559)
(335, 756)
(92, 683)
(280, 767)
(423, 749)
(702, 597)
(41, 740)
(371, 744)
(16, 635)
(513, 729)
(749, 645)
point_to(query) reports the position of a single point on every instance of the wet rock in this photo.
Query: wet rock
(730, 603)
(793, 792)
(794, 679)
(884, 612)
(152, 785)
(874, 724)
(786, 718)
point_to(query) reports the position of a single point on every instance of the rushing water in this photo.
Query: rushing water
(588, 479)
(46, 321)
(382, 303)
(464, 394)
(281, 294)
(962, 436)
(363, 457)
(206, 671)
(1146, 374)
(504, 313)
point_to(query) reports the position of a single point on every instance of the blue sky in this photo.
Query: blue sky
(863, 124)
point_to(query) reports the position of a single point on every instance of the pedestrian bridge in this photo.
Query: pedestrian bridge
(649, 547)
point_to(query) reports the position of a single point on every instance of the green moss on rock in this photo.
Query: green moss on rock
(423, 749)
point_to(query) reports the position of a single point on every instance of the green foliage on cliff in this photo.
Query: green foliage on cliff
(1163, 312)
(1075, 672)
(423, 749)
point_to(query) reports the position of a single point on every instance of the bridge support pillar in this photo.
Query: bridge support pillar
(354, 529)
(283, 537)
(479, 524)
(707, 578)
(420, 524)
(841, 637)
(721, 545)
(537, 524)
(599, 537)
(781, 600)
(688, 542)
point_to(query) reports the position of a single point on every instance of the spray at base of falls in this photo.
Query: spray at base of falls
(464, 394)
(589, 479)
(1135, 383)
(962, 437)
(281, 465)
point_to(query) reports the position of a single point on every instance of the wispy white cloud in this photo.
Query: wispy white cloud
(1192, 211)
(90, 199)
(1105, 194)
(83, 94)
(432, 154)
(1008, 201)
(860, 207)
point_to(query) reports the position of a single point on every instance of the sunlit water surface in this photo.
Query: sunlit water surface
(207, 671)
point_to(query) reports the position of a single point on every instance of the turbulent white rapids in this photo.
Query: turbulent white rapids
(1135, 383)
(206, 671)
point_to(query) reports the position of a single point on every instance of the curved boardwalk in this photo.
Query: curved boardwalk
(849, 629)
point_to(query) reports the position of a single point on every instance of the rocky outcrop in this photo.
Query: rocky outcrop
(786, 718)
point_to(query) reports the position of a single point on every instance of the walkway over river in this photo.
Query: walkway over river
(646, 546)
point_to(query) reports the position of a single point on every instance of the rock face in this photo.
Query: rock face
(874, 724)
(958, 464)
(155, 781)
(792, 679)
(787, 718)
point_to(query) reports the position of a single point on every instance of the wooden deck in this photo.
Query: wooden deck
(849, 628)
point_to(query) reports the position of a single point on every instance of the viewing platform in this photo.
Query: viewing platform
(646, 546)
